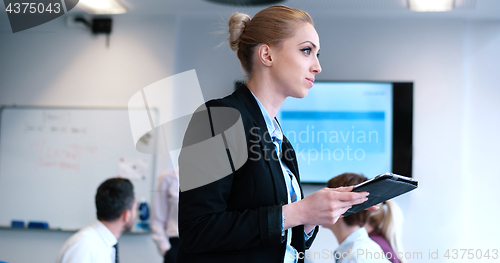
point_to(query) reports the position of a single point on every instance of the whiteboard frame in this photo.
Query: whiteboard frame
(153, 172)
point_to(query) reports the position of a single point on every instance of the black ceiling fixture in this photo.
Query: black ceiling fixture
(246, 2)
(99, 25)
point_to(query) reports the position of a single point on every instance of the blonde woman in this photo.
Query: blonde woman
(258, 213)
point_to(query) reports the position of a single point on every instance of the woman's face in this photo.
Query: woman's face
(295, 62)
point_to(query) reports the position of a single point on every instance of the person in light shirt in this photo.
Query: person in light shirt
(98, 242)
(164, 215)
(385, 226)
(355, 244)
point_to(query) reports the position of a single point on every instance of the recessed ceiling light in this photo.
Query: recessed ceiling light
(107, 7)
(246, 2)
(431, 5)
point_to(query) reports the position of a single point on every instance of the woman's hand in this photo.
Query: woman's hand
(323, 207)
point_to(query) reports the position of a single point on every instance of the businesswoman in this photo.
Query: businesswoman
(258, 212)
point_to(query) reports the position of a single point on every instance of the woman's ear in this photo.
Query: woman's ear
(264, 54)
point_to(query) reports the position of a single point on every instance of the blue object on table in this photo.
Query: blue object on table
(143, 225)
(143, 211)
(143, 216)
(17, 224)
(39, 225)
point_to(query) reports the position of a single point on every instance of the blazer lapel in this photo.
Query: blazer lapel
(270, 157)
(267, 147)
(288, 156)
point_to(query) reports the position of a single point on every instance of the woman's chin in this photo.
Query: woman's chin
(299, 95)
(303, 94)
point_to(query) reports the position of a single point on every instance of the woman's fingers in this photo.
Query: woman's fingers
(344, 188)
(373, 208)
(350, 196)
(327, 205)
(345, 200)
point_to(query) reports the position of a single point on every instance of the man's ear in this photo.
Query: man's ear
(126, 215)
(264, 54)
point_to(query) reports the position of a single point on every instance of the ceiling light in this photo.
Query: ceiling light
(101, 7)
(246, 2)
(431, 5)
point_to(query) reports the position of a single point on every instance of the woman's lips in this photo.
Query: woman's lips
(311, 81)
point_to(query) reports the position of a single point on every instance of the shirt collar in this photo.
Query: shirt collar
(356, 235)
(272, 126)
(104, 233)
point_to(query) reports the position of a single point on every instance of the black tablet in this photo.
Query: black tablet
(382, 188)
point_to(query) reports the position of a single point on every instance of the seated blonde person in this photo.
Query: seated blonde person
(355, 245)
(384, 227)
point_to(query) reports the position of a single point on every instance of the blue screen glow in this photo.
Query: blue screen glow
(340, 127)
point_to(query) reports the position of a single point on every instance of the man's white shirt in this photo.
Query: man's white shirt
(92, 244)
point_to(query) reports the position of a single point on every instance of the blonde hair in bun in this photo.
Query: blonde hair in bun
(270, 26)
(237, 23)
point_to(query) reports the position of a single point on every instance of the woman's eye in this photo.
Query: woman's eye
(306, 50)
(317, 55)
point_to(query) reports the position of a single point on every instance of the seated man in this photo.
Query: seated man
(355, 245)
(97, 243)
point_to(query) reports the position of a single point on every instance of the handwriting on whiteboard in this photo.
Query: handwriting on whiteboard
(54, 129)
(66, 157)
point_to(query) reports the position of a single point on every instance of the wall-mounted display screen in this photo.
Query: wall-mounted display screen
(361, 127)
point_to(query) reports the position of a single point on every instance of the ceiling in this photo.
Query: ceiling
(464, 9)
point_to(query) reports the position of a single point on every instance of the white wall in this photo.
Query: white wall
(453, 66)
(481, 143)
(447, 60)
(199, 41)
(53, 65)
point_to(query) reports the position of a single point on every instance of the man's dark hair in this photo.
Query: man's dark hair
(347, 179)
(113, 197)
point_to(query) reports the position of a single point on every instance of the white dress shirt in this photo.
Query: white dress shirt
(165, 210)
(91, 244)
(358, 247)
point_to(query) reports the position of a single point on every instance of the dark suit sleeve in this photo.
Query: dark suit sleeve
(205, 223)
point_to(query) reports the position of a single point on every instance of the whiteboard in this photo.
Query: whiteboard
(52, 161)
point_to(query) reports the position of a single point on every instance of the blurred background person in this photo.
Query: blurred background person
(164, 215)
(354, 243)
(385, 226)
(98, 243)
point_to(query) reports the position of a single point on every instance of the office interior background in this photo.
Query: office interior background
(453, 59)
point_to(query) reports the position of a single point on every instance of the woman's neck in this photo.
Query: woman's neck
(267, 93)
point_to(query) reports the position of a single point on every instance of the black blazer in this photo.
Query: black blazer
(238, 218)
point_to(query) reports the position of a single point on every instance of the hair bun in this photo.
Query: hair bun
(237, 23)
